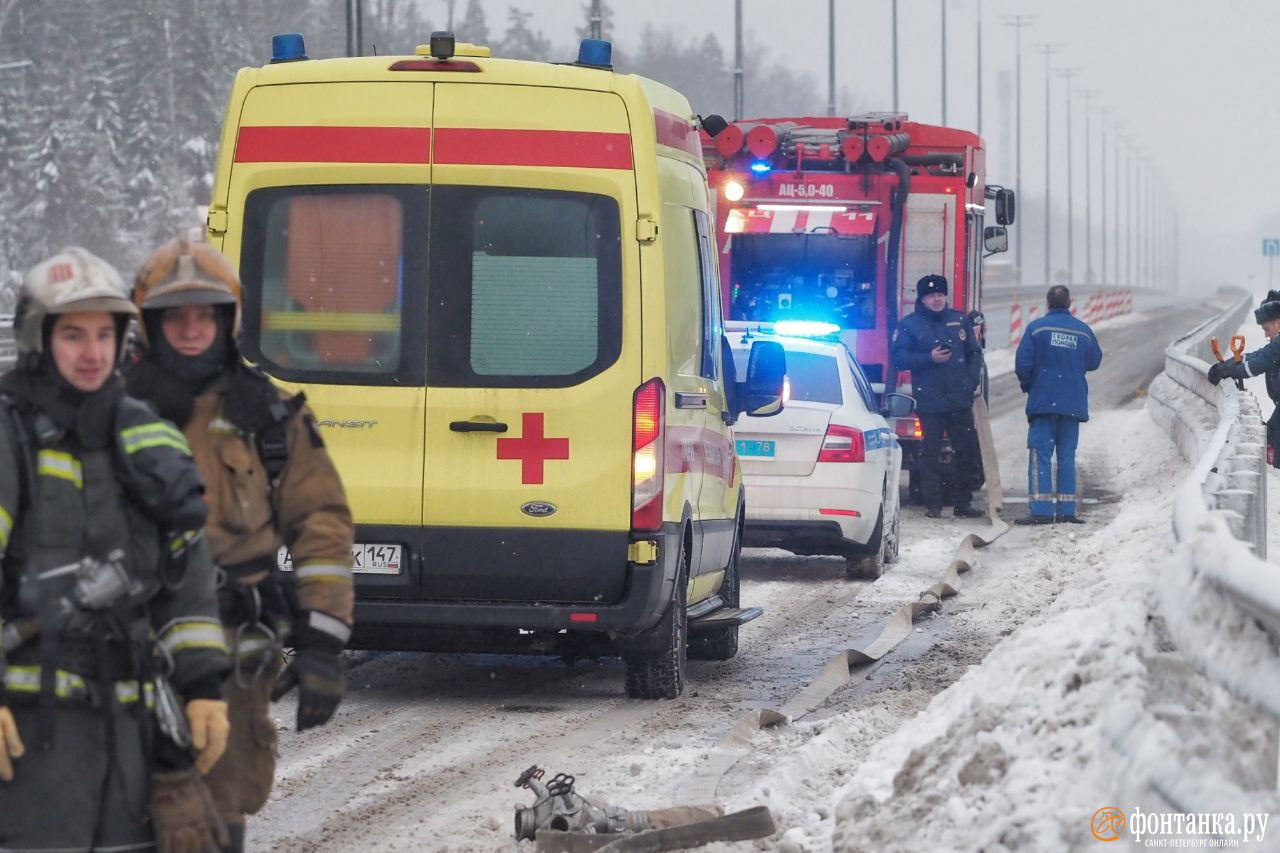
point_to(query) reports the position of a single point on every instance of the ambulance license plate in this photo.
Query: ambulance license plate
(365, 559)
(751, 449)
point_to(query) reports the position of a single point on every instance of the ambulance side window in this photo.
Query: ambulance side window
(330, 275)
(525, 289)
(712, 319)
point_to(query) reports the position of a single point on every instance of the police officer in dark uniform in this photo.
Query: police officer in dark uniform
(1265, 360)
(938, 345)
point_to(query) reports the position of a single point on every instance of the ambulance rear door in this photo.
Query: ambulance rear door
(328, 210)
(533, 346)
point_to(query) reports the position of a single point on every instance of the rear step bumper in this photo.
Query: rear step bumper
(725, 617)
(407, 624)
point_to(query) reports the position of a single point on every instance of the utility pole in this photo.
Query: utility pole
(895, 54)
(943, 4)
(831, 57)
(1048, 50)
(1088, 191)
(450, 4)
(597, 19)
(1017, 22)
(1068, 74)
(737, 60)
(1102, 184)
(979, 67)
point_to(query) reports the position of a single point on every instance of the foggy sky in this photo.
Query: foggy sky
(1189, 82)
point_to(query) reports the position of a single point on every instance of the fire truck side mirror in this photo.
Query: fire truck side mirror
(713, 124)
(995, 239)
(1006, 207)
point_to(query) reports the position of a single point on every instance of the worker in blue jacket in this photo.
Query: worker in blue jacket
(1055, 353)
(938, 346)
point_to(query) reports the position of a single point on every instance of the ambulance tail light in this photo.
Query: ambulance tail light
(842, 444)
(647, 459)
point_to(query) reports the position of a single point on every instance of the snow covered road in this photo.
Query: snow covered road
(1047, 635)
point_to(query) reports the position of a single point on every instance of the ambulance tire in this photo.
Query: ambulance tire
(722, 643)
(658, 672)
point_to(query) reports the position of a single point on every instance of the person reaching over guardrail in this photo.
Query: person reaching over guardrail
(1051, 362)
(1265, 360)
(271, 483)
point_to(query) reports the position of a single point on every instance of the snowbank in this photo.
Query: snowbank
(1025, 747)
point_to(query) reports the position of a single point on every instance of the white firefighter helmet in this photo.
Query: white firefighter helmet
(73, 281)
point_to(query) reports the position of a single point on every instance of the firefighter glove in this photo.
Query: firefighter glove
(1219, 371)
(209, 729)
(10, 744)
(317, 668)
(183, 814)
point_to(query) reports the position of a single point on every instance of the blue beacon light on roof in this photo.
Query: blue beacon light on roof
(761, 168)
(288, 47)
(805, 329)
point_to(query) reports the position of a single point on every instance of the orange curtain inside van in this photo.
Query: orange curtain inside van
(343, 263)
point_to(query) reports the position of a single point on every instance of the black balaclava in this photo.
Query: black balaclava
(171, 381)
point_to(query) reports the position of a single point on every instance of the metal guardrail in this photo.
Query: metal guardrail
(8, 346)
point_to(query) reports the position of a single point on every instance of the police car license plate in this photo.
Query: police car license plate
(365, 559)
(751, 449)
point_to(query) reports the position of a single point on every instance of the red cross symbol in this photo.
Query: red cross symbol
(532, 449)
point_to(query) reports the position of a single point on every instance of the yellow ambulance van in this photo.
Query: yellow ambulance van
(496, 282)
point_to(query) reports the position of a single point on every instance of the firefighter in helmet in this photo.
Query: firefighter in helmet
(105, 587)
(271, 483)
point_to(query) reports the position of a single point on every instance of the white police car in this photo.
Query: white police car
(821, 476)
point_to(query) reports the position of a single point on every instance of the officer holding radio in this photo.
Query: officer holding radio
(938, 345)
(107, 601)
(271, 483)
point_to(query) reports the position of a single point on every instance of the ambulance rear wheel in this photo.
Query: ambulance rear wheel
(722, 643)
(656, 668)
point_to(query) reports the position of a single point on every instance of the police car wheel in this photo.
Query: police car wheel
(722, 643)
(868, 564)
(893, 536)
(660, 673)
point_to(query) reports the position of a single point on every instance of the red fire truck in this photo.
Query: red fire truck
(835, 219)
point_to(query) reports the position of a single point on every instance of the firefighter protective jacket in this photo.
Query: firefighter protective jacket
(1052, 358)
(139, 492)
(946, 387)
(249, 519)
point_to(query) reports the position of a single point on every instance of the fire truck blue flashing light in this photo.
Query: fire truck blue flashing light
(288, 47)
(760, 168)
(805, 329)
(595, 53)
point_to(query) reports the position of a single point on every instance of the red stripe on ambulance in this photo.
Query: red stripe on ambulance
(473, 146)
(270, 144)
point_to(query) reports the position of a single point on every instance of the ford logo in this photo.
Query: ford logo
(538, 509)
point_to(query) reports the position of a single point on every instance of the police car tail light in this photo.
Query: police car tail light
(842, 444)
(647, 455)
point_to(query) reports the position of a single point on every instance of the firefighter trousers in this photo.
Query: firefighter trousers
(88, 790)
(241, 780)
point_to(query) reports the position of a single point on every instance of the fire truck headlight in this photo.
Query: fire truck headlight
(733, 191)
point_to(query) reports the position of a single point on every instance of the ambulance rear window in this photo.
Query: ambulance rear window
(325, 272)
(526, 287)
